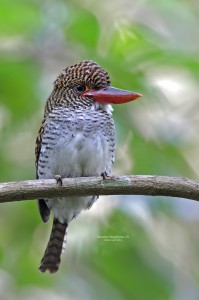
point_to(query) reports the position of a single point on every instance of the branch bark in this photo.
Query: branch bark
(116, 185)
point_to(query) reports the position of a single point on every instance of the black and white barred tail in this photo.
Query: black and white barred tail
(52, 256)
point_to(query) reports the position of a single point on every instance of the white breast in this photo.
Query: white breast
(77, 146)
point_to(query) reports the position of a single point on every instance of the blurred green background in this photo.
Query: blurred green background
(125, 247)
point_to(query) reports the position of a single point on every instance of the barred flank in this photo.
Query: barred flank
(52, 256)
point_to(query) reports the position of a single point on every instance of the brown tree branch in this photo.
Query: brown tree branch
(118, 185)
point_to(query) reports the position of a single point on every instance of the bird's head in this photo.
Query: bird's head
(85, 84)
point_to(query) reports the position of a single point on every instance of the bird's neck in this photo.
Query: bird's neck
(101, 106)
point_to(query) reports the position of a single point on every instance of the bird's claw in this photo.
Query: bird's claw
(104, 175)
(58, 178)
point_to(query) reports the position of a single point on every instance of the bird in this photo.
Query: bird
(76, 139)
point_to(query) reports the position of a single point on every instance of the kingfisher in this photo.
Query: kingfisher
(76, 139)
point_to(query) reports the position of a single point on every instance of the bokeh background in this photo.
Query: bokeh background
(125, 247)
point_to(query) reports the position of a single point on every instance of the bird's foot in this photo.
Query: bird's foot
(105, 175)
(58, 178)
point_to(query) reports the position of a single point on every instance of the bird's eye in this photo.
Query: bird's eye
(80, 88)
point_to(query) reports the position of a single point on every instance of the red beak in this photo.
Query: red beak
(112, 95)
